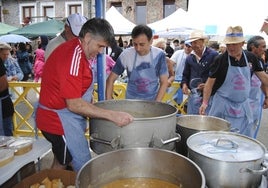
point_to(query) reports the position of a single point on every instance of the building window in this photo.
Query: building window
(47, 11)
(118, 6)
(74, 7)
(169, 7)
(141, 13)
(27, 13)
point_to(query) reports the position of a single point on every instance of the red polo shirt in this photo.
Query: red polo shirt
(67, 75)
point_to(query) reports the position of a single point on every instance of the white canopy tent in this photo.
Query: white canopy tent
(121, 25)
(176, 24)
(227, 13)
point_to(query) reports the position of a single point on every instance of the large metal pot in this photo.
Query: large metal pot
(154, 125)
(188, 125)
(140, 163)
(228, 159)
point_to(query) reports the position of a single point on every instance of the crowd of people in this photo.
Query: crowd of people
(210, 75)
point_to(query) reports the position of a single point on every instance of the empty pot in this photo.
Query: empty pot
(188, 125)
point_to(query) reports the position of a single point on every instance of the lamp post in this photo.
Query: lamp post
(101, 60)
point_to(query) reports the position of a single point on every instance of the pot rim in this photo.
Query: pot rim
(200, 117)
(138, 150)
(143, 101)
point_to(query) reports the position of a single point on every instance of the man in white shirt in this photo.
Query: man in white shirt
(178, 59)
(72, 27)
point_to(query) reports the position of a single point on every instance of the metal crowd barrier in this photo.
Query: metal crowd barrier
(25, 97)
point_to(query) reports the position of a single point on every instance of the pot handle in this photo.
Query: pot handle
(175, 139)
(258, 172)
(223, 145)
(114, 143)
(226, 144)
(235, 130)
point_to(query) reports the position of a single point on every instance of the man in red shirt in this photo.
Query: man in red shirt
(66, 90)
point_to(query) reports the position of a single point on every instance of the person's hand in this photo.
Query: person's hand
(169, 83)
(185, 89)
(265, 103)
(14, 78)
(122, 118)
(202, 109)
(201, 86)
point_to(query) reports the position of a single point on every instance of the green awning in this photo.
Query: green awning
(5, 28)
(49, 28)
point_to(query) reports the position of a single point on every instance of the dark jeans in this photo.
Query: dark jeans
(8, 126)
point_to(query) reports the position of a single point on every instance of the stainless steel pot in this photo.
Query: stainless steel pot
(140, 162)
(154, 125)
(188, 125)
(228, 159)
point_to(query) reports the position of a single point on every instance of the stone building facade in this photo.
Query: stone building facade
(14, 12)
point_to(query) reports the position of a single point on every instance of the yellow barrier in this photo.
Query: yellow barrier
(119, 91)
(169, 98)
(25, 96)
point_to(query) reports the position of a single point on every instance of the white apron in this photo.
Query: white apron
(231, 101)
(256, 103)
(195, 98)
(74, 126)
(143, 82)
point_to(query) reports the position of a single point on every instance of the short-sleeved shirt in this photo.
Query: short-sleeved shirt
(53, 44)
(67, 75)
(179, 57)
(7, 105)
(127, 58)
(13, 69)
(220, 66)
(109, 66)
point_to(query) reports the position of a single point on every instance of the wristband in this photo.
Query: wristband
(205, 102)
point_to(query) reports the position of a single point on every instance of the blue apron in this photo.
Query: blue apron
(2, 132)
(194, 102)
(233, 97)
(143, 82)
(256, 102)
(74, 126)
(195, 99)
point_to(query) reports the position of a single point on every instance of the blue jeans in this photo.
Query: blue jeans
(179, 96)
(8, 126)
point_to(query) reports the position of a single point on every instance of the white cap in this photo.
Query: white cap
(76, 21)
(5, 46)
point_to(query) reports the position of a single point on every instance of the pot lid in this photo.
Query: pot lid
(226, 146)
